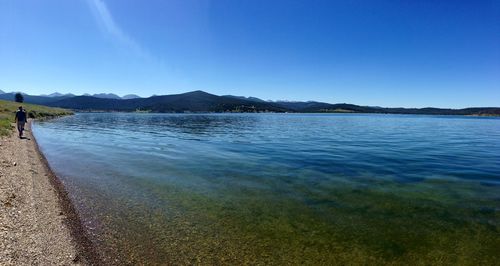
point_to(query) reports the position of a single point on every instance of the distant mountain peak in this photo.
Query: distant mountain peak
(106, 96)
(250, 98)
(197, 93)
(200, 92)
(57, 94)
(130, 96)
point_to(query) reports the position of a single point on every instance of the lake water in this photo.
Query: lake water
(282, 188)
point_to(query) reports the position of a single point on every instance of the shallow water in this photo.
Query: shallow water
(282, 188)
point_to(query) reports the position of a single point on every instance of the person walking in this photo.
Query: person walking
(21, 119)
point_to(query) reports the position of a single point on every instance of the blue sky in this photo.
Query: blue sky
(387, 53)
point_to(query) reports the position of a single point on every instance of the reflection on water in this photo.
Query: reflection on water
(282, 188)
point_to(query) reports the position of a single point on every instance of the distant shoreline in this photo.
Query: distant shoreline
(200, 101)
(319, 113)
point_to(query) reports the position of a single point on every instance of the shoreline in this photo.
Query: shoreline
(73, 221)
(292, 113)
(55, 210)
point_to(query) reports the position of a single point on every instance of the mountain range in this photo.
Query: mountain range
(200, 101)
(68, 95)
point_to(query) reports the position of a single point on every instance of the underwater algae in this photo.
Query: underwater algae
(336, 223)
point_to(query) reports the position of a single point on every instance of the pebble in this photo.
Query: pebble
(14, 164)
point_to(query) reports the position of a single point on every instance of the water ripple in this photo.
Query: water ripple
(302, 185)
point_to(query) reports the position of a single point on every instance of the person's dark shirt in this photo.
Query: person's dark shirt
(21, 116)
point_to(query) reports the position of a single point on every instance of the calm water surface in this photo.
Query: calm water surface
(282, 188)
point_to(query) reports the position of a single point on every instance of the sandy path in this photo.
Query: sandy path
(34, 228)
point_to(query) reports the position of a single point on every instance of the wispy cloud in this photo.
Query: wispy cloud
(108, 25)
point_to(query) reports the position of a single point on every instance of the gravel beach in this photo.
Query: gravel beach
(38, 225)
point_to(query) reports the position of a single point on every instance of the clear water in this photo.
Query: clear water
(282, 188)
